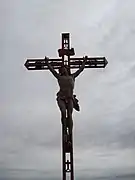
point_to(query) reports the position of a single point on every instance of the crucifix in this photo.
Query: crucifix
(66, 100)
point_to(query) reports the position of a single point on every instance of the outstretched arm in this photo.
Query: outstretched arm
(51, 68)
(81, 68)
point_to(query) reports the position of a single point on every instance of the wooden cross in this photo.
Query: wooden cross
(66, 58)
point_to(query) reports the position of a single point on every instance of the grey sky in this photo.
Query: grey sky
(104, 130)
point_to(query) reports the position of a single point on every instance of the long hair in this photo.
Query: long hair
(64, 66)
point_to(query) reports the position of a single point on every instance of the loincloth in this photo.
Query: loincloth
(67, 99)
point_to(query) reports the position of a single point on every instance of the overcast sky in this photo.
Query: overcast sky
(30, 127)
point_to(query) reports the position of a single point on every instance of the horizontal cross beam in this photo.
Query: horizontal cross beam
(40, 64)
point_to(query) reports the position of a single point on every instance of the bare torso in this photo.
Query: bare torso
(66, 84)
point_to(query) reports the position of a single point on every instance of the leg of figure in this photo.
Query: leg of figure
(62, 107)
(69, 115)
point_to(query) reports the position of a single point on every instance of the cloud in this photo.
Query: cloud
(30, 127)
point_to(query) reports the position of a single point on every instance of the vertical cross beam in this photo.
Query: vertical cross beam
(65, 46)
(67, 155)
(67, 149)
